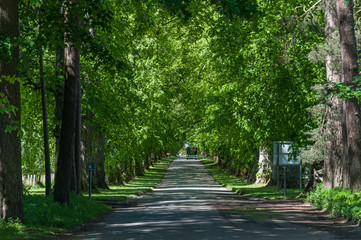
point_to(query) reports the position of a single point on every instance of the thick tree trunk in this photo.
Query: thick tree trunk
(351, 109)
(333, 165)
(265, 166)
(64, 172)
(11, 190)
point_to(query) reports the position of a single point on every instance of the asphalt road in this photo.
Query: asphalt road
(188, 204)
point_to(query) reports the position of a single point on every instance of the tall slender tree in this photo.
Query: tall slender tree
(11, 195)
(45, 114)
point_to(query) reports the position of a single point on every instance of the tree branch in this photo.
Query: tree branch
(308, 10)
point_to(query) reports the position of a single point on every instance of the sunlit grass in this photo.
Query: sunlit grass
(43, 216)
(138, 186)
(239, 185)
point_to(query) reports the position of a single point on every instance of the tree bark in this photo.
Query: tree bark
(351, 109)
(11, 189)
(59, 97)
(265, 166)
(63, 177)
(333, 164)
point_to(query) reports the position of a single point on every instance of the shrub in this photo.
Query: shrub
(338, 201)
(10, 229)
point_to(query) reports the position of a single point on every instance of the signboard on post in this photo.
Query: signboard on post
(90, 167)
(283, 156)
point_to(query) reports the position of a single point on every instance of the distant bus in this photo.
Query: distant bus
(192, 152)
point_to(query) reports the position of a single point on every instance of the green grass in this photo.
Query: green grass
(137, 186)
(239, 185)
(43, 216)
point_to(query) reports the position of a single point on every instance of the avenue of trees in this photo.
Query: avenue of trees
(121, 83)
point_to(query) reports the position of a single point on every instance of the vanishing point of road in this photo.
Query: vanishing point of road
(189, 204)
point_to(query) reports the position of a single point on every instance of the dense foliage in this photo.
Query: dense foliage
(229, 78)
(338, 201)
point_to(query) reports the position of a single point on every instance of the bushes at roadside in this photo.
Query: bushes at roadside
(338, 201)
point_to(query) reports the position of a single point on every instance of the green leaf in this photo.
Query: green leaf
(10, 128)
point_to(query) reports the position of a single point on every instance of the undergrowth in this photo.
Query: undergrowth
(338, 201)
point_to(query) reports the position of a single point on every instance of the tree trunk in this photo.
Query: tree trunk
(351, 109)
(333, 165)
(87, 150)
(59, 97)
(77, 147)
(45, 114)
(265, 166)
(11, 190)
(67, 137)
(99, 160)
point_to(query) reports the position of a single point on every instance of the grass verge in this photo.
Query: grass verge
(138, 186)
(43, 216)
(239, 185)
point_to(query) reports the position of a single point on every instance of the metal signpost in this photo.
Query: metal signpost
(90, 168)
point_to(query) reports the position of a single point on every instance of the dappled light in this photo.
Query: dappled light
(188, 203)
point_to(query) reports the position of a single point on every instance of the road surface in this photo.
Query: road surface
(188, 204)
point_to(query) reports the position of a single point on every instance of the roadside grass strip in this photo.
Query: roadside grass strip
(240, 186)
(43, 216)
(138, 186)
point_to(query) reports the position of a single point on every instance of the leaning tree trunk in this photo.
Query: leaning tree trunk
(11, 190)
(351, 109)
(333, 129)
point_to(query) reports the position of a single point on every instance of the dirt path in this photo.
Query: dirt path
(189, 204)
